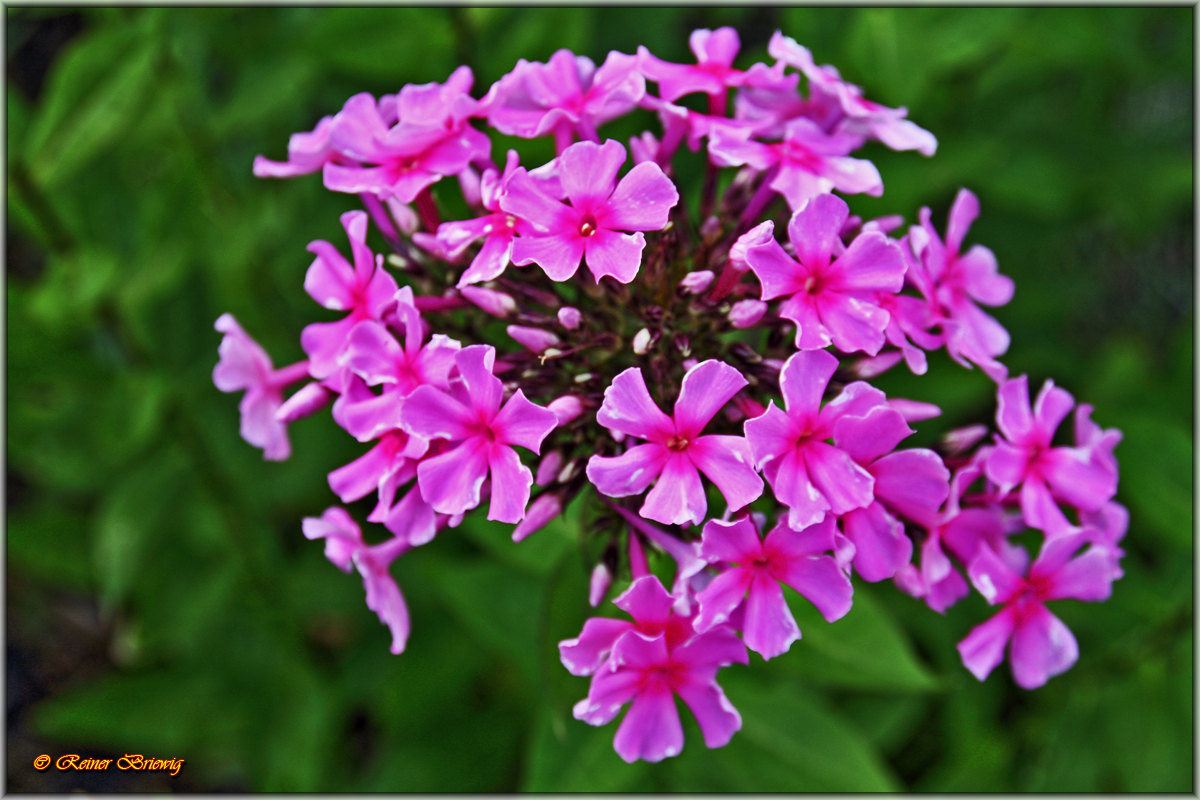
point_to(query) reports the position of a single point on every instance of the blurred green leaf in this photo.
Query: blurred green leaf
(1156, 476)
(575, 757)
(864, 649)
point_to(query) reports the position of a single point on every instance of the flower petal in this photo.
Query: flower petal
(642, 201)
(706, 388)
(725, 460)
(769, 627)
(451, 482)
(618, 255)
(1042, 647)
(983, 649)
(628, 408)
(629, 473)
(719, 599)
(678, 496)
(716, 716)
(651, 729)
(584, 654)
(523, 423)
(736, 541)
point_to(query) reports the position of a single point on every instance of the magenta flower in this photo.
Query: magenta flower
(589, 228)
(674, 451)
(498, 230)
(1084, 477)
(688, 563)
(245, 365)
(344, 547)
(565, 96)
(307, 152)
(650, 671)
(651, 608)
(430, 140)
(861, 116)
(954, 283)
(1042, 646)
(797, 558)
(831, 300)
(807, 474)
(712, 74)
(472, 418)
(365, 290)
(810, 161)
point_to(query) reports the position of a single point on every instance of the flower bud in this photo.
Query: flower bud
(541, 511)
(569, 317)
(601, 580)
(913, 410)
(643, 148)
(710, 229)
(534, 339)
(696, 282)
(641, 341)
(871, 366)
(761, 234)
(310, 398)
(961, 439)
(568, 471)
(498, 304)
(745, 313)
(406, 218)
(884, 224)
(689, 364)
(566, 408)
(684, 346)
(548, 468)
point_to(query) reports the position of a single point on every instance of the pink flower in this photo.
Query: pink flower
(498, 230)
(1084, 477)
(810, 161)
(745, 313)
(832, 300)
(365, 290)
(687, 558)
(1042, 646)
(861, 116)
(953, 283)
(600, 208)
(807, 474)
(712, 74)
(570, 317)
(675, 452)
(307, 152)
(498, 304)
(651, 608)
(565, 96)
(796, 558)
(430, 140)
(245, 365)
(650, 671)
(344, 547)
(471, 417)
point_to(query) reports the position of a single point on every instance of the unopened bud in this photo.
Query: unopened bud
(566, 408)
(310, 398)
(884, 224)
(406, 218)
(601, 580)
(696, 282)
(745, 313)
(548, 468)
(875, 365)
(641, 341)
(760, 234)
(710, 229)
(961, 439)
(498, 304)
(569, 317)
(540, 511)
(568, 471)
(534, 339)
(683, 345)
(689, 364)
(774, 363)
(914, 410)
(643, 148)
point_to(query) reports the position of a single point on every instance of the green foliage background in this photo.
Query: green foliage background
(234, 644)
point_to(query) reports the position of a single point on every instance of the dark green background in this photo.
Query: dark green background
(162, 600)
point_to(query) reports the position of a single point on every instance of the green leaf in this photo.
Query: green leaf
(93, 97)
(539, 553)
(571, 756)
(132, 515)
(74, 286)
(500, 607)
(788, 743)
(1156, 476)
(46, 542)
(864, 649)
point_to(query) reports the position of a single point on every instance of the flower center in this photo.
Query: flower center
(812, 285)
(677, 444)
(587, 227)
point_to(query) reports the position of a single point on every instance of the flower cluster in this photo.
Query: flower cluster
(697, 359)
